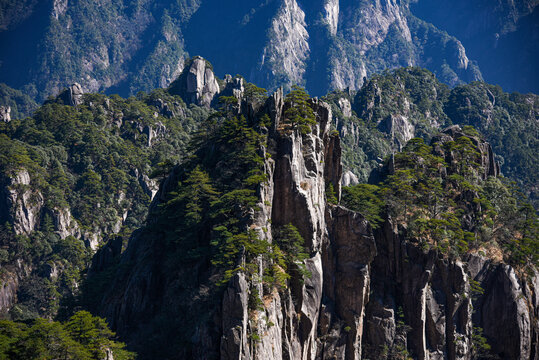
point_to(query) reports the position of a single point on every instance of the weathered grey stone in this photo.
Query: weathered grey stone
(489, 165)
(59, 8)
(349, 179)
(5, 113)
(73, 95)
(287, 48)
(345, 107)
(505, 307)
(235, 312)
(64, 223)
(197, 83)
(370, 292)
(22, 203)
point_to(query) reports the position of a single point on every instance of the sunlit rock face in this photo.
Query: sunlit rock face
(370, 292)
(322, 44)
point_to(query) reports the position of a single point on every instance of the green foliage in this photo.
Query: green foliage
(187, 205)
(21, 104)
(254, 94)
(365, 199)
(481, 349)
(398, 349)
(331, 196)
(204, 215)
(91, 161)
(298, 113)
(448, 206)
(93, 333)
(507, 121)
(83, 336)
(509, 124)
(290, 242)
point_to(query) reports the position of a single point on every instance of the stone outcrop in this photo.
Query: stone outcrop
(371, 293)
(5, 113)
(349, 179)
(345, 107)
(20, 204)
(72, 95)
(197, 83)
(10, 279)
(59, 8)
(287, 49)
(64, 223)
(488, 164)
(325, 44)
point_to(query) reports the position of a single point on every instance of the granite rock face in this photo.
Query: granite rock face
(72, 95)
(197, 83)
(21, 205)
(323, 44)
(371, 293)
(5, 113)
(287, 49)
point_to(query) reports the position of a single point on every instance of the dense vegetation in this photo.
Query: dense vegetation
(374, 130)
(91, 165)
(440, 196)
(216, 193)
(99, 163)
(509, 122)
(203, 224)
(21, 104)
(82, 337)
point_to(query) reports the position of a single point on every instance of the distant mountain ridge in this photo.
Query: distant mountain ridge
(127, 46)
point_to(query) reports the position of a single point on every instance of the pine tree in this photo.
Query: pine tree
(299, 114)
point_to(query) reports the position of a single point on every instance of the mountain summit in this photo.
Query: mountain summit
(126, 46)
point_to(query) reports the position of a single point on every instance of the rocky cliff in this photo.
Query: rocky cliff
(324, 45)
(369, 293)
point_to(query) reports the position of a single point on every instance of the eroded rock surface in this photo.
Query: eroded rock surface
(197, 83)
(371, 294)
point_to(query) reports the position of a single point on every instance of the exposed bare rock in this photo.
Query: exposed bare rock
(288, 46)
(170, 72)
(234, 341)
(370, 26)
(153, 132)
(197, 83)
(489, 165)
(59, 8)
(346, 74)
(345, 107)
(400, 128)
(11, 277)
(331, 8)
(347, 276)
(371, 294)
(64, 223)
(5, 113)
(349, 179)
(22, 204)
(72, 95)
(233, 87)
(506, 307)
(299, 194)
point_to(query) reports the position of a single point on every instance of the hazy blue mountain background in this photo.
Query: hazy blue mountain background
(127, 46)
(141, 183)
